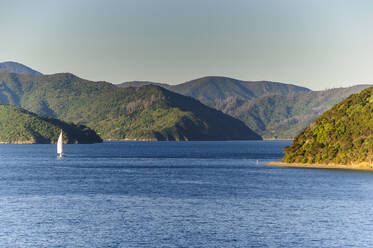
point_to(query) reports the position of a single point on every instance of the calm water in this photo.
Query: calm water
(169, 194)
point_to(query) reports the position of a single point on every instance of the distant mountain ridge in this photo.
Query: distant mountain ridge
(210, 89)
(271, 109)
(274, 110)
(142, 83)
(14, 67)
(144, 113)
(284, 117)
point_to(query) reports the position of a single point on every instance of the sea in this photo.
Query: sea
(178, 194)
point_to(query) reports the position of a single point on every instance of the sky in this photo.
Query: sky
(318, 44)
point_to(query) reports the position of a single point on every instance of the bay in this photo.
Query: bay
(177, 194)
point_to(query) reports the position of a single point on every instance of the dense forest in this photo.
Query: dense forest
(271, 109)
(343, 134)
(145, 113)
(21, 126)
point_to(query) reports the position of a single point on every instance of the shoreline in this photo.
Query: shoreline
(154, 140)
(141, 140)
(359, 167)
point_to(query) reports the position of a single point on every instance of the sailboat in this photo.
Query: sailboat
(59, 146)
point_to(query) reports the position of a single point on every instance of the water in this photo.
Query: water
(170, 194)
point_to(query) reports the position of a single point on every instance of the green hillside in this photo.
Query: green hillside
(343, 134)
(279, 116)
(273, 110)
(145, 113)
(20, 126)
(208, 90)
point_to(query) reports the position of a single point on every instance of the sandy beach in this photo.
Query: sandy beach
(360, 166)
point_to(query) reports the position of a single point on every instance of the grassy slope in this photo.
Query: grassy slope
(148, 112)
(343, 134)
(20, 126)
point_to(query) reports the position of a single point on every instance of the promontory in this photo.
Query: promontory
(342, 137)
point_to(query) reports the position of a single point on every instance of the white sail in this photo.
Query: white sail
(59, 144)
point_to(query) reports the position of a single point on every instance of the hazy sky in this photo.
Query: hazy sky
(316, 43)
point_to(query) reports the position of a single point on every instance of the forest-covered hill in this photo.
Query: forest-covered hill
(343, 134)
(145, 113)
(21, 126)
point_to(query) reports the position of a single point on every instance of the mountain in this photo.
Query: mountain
(273, 110)
(146, 113)
(285, 116)
(210, 90)
(20, 126)
(142, 83)
(18, 68)
(342, 135)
